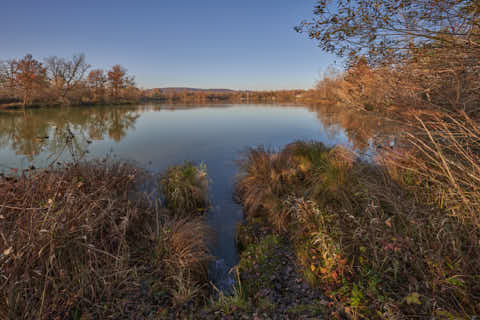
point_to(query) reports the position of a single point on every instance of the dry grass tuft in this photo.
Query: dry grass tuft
(185, 188)
(268, 177)
(443, 157)
(77, 241)
(182, 256)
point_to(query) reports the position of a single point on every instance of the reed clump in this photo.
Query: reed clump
(81, 241)
(368, 235)
(185, 188)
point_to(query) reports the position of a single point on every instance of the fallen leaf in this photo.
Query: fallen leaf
(6, 252)
(334, 275)
(388, 222)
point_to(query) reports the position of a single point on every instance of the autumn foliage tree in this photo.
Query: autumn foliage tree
(63, 81)
(381, 30)
(417, 63)
(427, 49)
(116, 79)
(97, 81)
(29, 75)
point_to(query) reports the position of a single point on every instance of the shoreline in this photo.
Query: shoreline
(317, 222)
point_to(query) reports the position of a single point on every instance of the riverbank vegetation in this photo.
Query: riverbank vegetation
(393, 238)
(81, 241)
(397, 238)
(426, 83)
(421, 61)
(383, 241)
(59, 81)
(201, 96)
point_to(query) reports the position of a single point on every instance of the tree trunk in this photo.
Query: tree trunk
(25, 98)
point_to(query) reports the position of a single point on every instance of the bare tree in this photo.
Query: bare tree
(8, 70)
(65, 75)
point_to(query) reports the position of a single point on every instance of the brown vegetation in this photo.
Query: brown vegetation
(81, 242)
(431, 94)
(406, 60)
(60, 81)
(185, 188)
(378, 240)
(186, 96)
(397, 238)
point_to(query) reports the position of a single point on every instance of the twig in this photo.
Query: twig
(18, 208)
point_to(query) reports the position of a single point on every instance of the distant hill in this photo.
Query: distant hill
(184, 89)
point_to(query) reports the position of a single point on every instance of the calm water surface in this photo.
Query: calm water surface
(156, 137)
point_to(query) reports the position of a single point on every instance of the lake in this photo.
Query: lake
(158, 136)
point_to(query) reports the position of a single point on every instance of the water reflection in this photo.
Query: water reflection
(365, 131)
(62, 133)
(34, 132)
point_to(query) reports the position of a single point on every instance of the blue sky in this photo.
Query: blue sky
(210, 44)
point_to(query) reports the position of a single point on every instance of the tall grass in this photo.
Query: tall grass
(367, 234)
(81, 241)
(443, 157)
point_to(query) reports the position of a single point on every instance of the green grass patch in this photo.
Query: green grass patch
(185, 188)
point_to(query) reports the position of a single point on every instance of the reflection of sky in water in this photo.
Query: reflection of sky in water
(167, 137)
(213, 135)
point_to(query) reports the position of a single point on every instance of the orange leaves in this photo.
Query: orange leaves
(334, 275)
(388, 222)
(330, 271)
(28, 74)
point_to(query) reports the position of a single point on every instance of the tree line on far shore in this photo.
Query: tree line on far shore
(61, 81)
(188, 95)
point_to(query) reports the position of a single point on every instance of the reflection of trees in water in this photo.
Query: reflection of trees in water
(23, 136)
(120, 123)
(64, 141)
(71, 130)
(58, 131)
(361, 129)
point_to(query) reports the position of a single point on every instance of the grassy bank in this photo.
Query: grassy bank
(47, 105)
(82, 242)
(383, 241)
(398, 239)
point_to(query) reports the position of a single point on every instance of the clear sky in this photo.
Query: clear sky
(237, 44)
